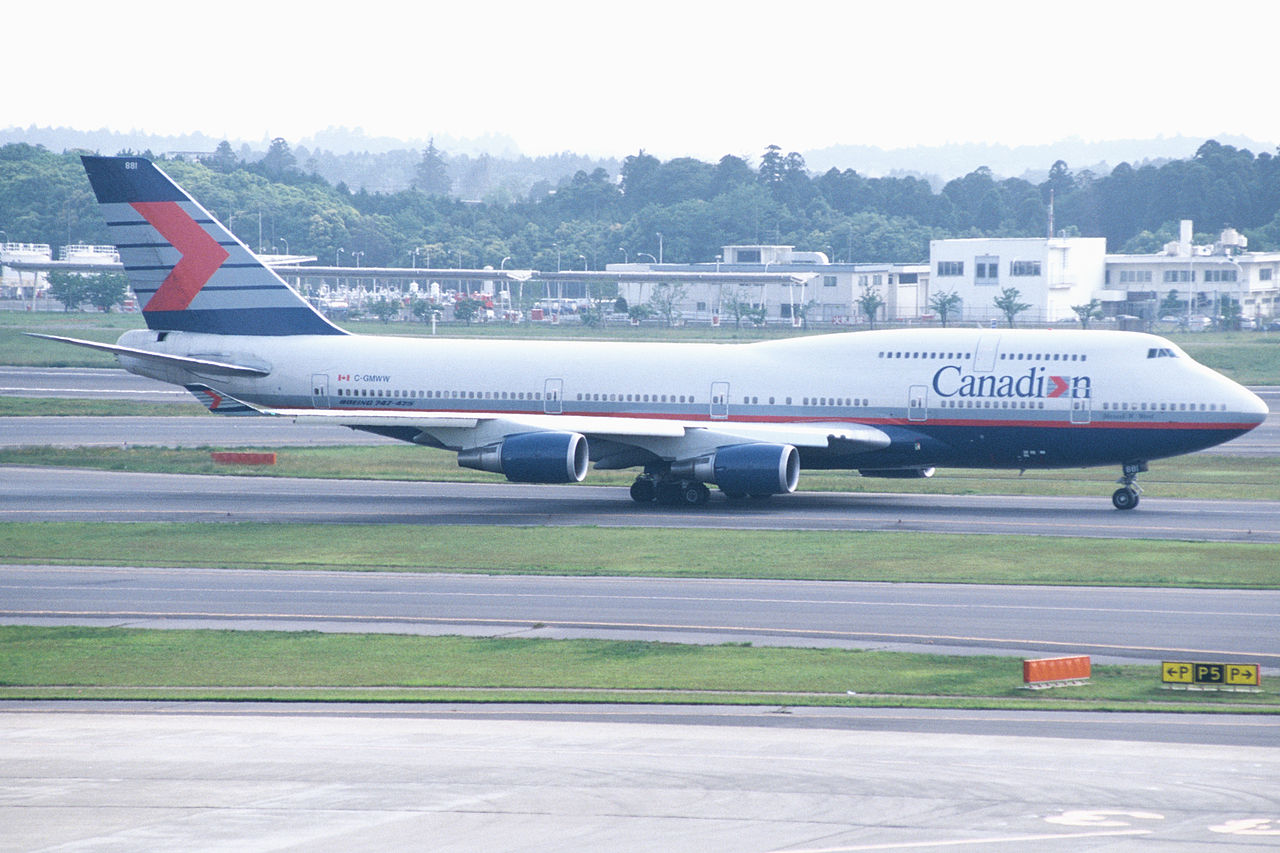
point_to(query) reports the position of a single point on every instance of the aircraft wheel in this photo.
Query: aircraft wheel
(1125, 498)
(695, 494)
(643, 490)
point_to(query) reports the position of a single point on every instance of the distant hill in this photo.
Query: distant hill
(955, 160)
(482, 167)
(493, 165)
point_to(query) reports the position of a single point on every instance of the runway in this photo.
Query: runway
(56, 494)
(1144, 625)
(452, 778)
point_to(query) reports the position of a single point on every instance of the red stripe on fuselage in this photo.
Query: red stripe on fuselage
(201, 255)
(835, 421)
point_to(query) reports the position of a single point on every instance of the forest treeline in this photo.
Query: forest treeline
(595, 218)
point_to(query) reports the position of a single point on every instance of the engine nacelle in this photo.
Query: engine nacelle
(745, 469)
(897, 473)
(532, 457)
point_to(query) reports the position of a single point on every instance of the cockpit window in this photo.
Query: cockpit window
(1161, 352)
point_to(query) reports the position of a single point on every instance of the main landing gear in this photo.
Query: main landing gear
(648, 489)
(1126, 497)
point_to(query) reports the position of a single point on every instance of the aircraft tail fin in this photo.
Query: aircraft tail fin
(190, 272)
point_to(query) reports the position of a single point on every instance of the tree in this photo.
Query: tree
(870, 303)
(639, 313)
(105, 290)
(592, 314)
(69, 288)
(1171, 305)
(665, 300)
(1090, 311)
(278, 161)
(739, 306)
(422, 309)
(1231, 316)
(384, 309)
(467, 309)
(944, 304)
(801, 311)
(223, 159)
(1008, 302)
(432, 174)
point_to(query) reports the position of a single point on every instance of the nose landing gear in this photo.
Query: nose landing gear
(1126, 497)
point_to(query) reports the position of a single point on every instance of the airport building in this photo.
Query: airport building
(1050, 274)
(822, 291)
(14, 283)
(1193, 284)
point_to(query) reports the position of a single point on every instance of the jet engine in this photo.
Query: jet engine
(532, 457)
(745, 469)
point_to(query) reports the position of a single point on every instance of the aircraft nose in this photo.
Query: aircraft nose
(1254, 407)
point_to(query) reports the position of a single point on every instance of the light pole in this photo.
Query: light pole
(647, 255)
(286, 245)
(502, 266)
(659, 247)
(623, 250)
(1240, 288)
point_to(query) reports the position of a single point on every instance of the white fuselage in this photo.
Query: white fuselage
(987, 398)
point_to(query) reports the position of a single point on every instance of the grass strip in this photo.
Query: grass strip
(15, 407)
(1197, 476)
(592, 551)
(77, 662)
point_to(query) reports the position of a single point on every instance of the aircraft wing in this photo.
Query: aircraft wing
(667, 439)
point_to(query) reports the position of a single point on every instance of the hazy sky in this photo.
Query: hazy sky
(674, 78)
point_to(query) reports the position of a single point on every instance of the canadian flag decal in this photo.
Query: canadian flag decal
(201, 255)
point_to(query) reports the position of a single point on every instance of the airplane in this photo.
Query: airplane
(745, 417)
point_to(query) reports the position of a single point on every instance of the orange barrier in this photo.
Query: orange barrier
(1055, 669)
(233, 458)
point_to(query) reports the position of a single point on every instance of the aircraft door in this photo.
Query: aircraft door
(719, 401)
(984, 358)
(918, 403)
(1081, 410)
(553, 397)
(320, 390)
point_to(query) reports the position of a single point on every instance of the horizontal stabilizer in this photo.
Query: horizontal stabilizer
(219, 403)
(200, 365)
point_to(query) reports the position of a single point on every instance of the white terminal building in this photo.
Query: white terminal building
(1052, 275)
(823, 292)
